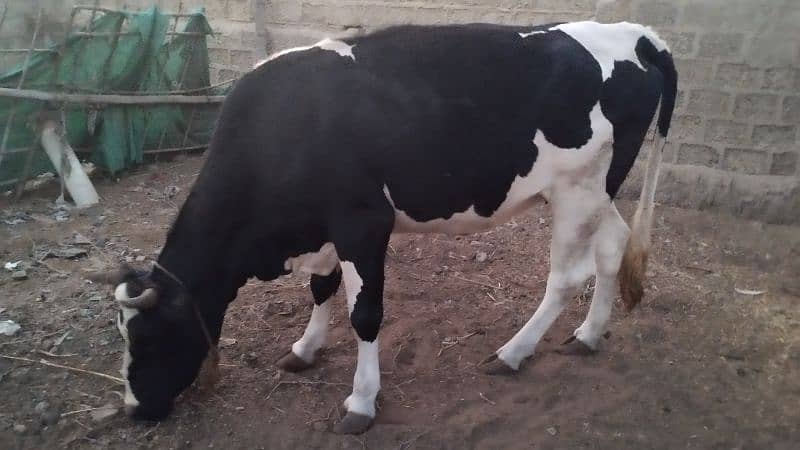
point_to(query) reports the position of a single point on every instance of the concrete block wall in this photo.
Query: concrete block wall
(735, 139)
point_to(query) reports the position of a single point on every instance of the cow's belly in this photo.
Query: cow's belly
(466, 222)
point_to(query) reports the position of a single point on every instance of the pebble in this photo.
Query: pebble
(552, 431)
(80, 239)
(19, 275)
(140, 258)
(20, 428)
(9, 327)
(251, 359)
(103, 413)
(481, 256)
(50, 417)
(41, 407)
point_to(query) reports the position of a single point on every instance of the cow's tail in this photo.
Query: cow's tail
(634, 261)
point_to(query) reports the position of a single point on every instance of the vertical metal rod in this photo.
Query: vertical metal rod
(89, 28)
(192, 45)
(53, 78)
(20, 83)
(114, 44)
(174, 27)
(3, 17)
(188, 126)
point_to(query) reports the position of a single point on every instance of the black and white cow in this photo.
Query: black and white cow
(322, 152)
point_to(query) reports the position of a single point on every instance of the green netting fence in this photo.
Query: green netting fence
(120, 86)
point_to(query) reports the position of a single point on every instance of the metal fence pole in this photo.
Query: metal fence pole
(21, 81)
(53, 78)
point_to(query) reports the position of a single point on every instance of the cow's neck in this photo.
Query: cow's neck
(201, 251)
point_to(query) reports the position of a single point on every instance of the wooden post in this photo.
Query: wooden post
(110, 99)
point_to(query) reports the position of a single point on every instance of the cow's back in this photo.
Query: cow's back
(441, 118)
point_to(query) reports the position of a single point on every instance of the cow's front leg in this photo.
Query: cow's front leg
(304, 351)
(364, 302)
(362, 247)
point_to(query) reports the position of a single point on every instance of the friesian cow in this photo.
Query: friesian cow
(322, 152)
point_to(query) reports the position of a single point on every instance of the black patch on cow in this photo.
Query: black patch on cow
(451, 116)
(324, 287)
(629, 102)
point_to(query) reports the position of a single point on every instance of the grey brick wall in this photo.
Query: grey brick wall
(737, 125)
(236, 46)
(735, 140)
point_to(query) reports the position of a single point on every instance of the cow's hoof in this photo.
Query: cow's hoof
(574, 346)
(353, 423)
(493, 365)
(293, 363)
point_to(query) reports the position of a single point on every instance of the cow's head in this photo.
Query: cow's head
(164, 343)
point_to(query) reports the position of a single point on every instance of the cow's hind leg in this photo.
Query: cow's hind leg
(609, 244)
(361, 238)
(577, 214)
(304, 351)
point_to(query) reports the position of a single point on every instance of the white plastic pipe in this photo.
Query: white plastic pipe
(76, 181)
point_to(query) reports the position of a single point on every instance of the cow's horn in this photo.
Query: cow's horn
(111, 277)
(146, 300)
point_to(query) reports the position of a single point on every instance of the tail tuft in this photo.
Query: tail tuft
(633, 268)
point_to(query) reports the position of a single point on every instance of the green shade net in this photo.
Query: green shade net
(141, 60)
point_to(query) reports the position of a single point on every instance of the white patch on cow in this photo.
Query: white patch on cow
(121, 293)
(467, 221)
(367, 380)
(560, 160)
(524, 342)
(525, 191)
(611, 42)
(322, 262)
(352, 283)
(340, 47)
(532, 33)
(316, 332)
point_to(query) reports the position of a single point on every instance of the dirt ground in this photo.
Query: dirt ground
(698, 365)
